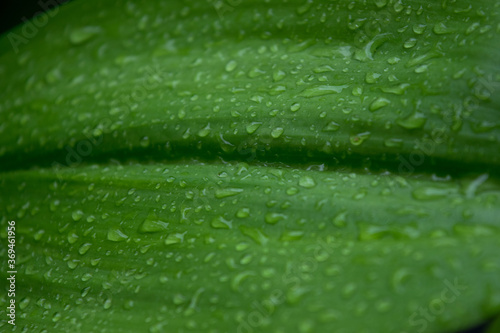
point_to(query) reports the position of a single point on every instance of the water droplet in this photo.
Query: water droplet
(175, 238)
(231, 65)
(414, 121)
(357, 91)
(107, 304)
(116, 235)
(277, 132)
(349, 290)
(77, 215)
(379, 103)
(322, 90)
(307, 182)
(292, 191)
(54, 204)
(255, 234)
(383, 306)
(81, 35)
(255, 72)
(419, 28)
(418, 60)
(23, 304)
(380, 3)
(239, 278)
(86, 277)
(252, 127)
(38, 235)
(393, 142)
(144, 142)
(440, 29)
(291, 235)
(72, 237)
(372, 77)
(56, 317)
(295, 107)
(84, 248)
(301, 46)
(243, 212)
(273, 218)
(246, 259)
(304, 8)
(294, 295)
(340, 220)
(370, 232)
(153, 224)
(128, 304)
(432, 193)
(331, 127)
(278, 75)
(220, 222)
(399, 279)
(227, 192)
(358, 139)
(396, 90)
(409, 43)
(277, 90)
(204, 131)
(471, 189)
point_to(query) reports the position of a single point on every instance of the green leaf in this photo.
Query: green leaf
(158, 246)
(260, 166)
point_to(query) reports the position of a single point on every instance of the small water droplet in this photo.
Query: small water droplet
(231, 65)
(116, 235)
(409, 43)
(175, 238)
(295, 107)
(81, 35)
(349, 290)
(277, 132)
(331, 127)
(379, 103)
(77, 215)
(153, 224)
(413, 121)
(358, 139)
(239, 278)
(56, 317)
(340, 220)
(393, 142)
(227, 192)
(220, 222)
(278, 75)
(252, 127)
(255, 234)
(243, 212)
(322, 90)
(307, 182)
(107, 304)
(294, 295)
(432, 193)
(204, 131)
(291, 235)
(440, 29)
(84, 248)
(273, 218)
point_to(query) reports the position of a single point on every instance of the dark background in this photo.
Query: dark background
(14, 12)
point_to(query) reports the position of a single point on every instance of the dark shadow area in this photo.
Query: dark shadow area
(15, 12)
